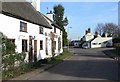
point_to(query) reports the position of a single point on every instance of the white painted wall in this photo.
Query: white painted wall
(49, 45)
(11, 28)
(99, 41)
(88, 37)
(57, 34)
(56, 39)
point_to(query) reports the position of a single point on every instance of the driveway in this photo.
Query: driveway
(85, 64)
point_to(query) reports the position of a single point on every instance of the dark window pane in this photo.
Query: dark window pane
(23, 27)
(41, 45)
(24, 45)
(41, 30)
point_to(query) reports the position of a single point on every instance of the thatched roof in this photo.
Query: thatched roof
(24, 11)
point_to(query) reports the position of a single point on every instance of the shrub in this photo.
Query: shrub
(118, 51)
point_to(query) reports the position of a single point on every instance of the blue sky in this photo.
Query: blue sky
(83, 15)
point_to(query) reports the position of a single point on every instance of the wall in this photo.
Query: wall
(99, 41)
(57, 34)
(11, 28)
(88, 37)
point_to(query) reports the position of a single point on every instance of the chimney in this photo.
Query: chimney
(36, 4)
(86, 32)
(96, 34)
(89, 30)
(50, 15)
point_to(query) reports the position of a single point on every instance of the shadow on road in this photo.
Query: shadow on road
(95, 69)
(89, 55)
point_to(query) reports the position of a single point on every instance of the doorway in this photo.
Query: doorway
(30, 50)
(35, 50)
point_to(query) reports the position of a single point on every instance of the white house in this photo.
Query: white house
(99, 42)
(25, 26)
(22, 24)
(88, 35)
(55, 29)
(87, 38)
(57, 36)
(91, 41)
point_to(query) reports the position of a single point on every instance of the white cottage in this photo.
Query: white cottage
(91, 41)
(99, 42)
(87, 39)
(24, 26)
(57, 31)
(88, 35)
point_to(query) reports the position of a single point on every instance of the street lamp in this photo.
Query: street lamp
(68, 36)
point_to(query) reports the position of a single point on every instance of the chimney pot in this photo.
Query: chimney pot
(86, 32)
(50, 12)
(89, 30)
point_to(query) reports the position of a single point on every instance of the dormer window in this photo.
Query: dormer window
(41, 30)
(23, 27)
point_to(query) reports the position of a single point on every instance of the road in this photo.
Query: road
(85, 64)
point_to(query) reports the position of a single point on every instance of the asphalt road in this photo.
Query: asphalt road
(85, 64)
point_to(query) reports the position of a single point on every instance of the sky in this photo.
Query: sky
(84, 15)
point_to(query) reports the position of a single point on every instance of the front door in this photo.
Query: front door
(30, 50)
(35, 50)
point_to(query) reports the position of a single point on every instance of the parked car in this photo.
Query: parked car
(109, 45)
(85, 46)
(76, 45)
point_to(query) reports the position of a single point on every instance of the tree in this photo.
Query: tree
(110, 28)
(99, 28)
(60, 20)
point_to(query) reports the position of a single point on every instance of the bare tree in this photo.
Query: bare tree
(99, 28)
(110, 28)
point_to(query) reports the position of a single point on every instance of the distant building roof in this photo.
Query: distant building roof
(24, 11)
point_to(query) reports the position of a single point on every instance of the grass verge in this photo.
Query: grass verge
(59, 58)
(113, 53)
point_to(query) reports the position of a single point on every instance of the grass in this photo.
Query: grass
(114, 53)
(59, 58)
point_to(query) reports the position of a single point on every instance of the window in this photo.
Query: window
(94, 43)
(12, 41)
(54, 45)
(54, 30)
(24, 45)
(41, 30)
(23, 27)
(105, 42)
(41, 45)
